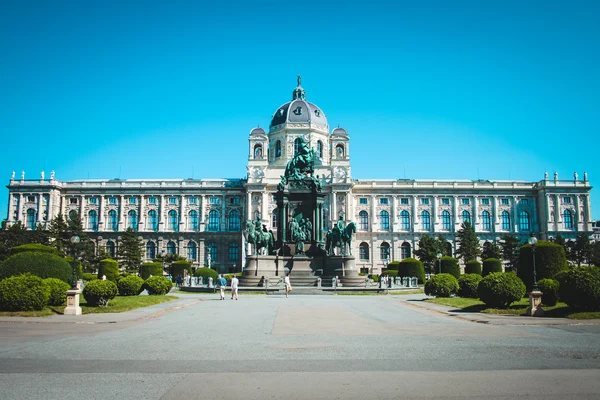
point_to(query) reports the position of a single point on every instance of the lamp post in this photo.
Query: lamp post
(74, 241)
(439, 257)
(535, 296)
(532, 242)
(73, 307)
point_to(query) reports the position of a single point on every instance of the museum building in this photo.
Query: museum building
(196, 218)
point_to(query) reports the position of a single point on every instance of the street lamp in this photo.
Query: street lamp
(532, 242)
(74, 241)
(439, 257)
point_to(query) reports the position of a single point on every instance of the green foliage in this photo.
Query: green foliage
(490, 266)
(89, 277)
(550, 259)
(581, 250)
(389, 272)
(549, 289)
(98, 292)
(468, 248)
(500, 289)
(157, 285)
(511, 247)
(44, 265)
(205, 273)
(450, 266)
(467, 285)
(130, 285)
(441, 285)
(110, 268)
(595, 254)
(428, 248)
(23, 293)
(130, 249)
(393, 265)
(473, 267)
(411, 267)
(580, 287)
(16, 235)
(34, 247)
(177, 267)
(57, 291)
(491, 250)
(151, 269)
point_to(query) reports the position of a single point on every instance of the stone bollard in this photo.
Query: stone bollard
(319, 283)
(334, 282)
(414, 282)
(210, 282)
(200, 282)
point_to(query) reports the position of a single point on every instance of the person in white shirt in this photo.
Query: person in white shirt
(288, 285)
(234, 287)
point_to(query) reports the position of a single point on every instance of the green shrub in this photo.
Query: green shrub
(205, 273)
(34, 247)
(23, 293)
(389, 272)
(580, 287)
(410, 267)
(500, 289)
(177, 267)
(473, 267)
(441, 285)
(57, 291)
(157, 285)
(130, 285)
(99, 292)
(450, 266)
(490, 266)
(467, 285)
(393, 265)
(44, 265)
(89, 277)
(374, 277)
(151, 269)
(110, 268)
(78, 266)
(549, 289)
(550, 259)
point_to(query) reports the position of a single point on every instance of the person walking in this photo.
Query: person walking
(234, 287)
(222, 283)
(288, 285)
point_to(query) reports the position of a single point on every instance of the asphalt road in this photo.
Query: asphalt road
(316, 347)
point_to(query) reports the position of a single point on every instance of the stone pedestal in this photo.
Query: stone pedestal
(535, 304)
(73, 307)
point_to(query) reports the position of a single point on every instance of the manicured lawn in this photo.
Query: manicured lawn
(560, 310)
(42, 313)
(380, 293)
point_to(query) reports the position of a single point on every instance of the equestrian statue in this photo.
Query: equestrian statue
(341, 237)
(256, 234)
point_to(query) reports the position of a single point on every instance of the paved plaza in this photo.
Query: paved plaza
(303, 347)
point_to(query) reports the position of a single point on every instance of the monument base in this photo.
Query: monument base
(535, 304)
(73, 307)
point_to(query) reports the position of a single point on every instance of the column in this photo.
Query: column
(557, 213)
(182, 215)
(515, 217)
(223, 216)
(413, 213)
(142, 218)
(373, 224)
(434, 214)
(495, 221)
(576, 216)
(100, 213)
(475, 211)
(248, 205)
(333, 215)
(121, 209)
(455, 219)
(20, 208)
(11, 207)
(81, 207)
(161, 214)
(534, 217)
(588, 213)
(39, 209)
(393, 218)
(49, 215)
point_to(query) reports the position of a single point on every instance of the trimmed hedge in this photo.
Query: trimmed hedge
(450, 266)
(389, 272)
(501, 289)
(34, 247)
(99, 292)
(473, 267)
(441, 285)
(157, 285)
(23, 293)
(177, 267)
(57, 291)
(410, 267)
(130, 285)
(89, 277)
(549, 289)
(468, 284)
(110, 268)
(151, 268)
(205, 273)
(490, 266)
(580, 287)
(393, 265)
(44, 265)
(550, 259)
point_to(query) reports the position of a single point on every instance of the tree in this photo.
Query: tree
(511, 246)
(491, 250)
(595, 254)
(130, 250)
(468, 248)
(63, 229)
(581, 249)
(427, 251)
(16, 235)
(443, 246)
(59, 234)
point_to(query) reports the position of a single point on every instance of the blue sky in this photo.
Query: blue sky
(449, 90)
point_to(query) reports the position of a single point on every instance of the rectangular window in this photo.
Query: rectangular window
(112, 200)
(73, 200)
(31, 199)
(236, 200)
(425, 201)
(193, 200)
(567, 200)
(172, 200)
(445, 201)
(383, 201)
(524, 202)
(505, 202)
(362, 200)
(152, 200)
(485, 202)
(132, 200)
(465, 201)
(214, 200)
(92, 200)
(404, 201)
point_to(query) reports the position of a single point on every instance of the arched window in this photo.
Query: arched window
(405, 250)
(449, 249)
(505, 221)
(234, 220)
(384, 251)
(466, 217)
(110, 248)
(132, 221)
(258, 154)
(274, 219)
(214, 220)
(363, 221)
(384, 221)
(150, 251)
(173, 221)
(404, 220)
(297, 142)
(153, 220)
(426, 220)
(234, 251)
(171, 248)
(445, 220)
(192, 252)
(193, 221)
(278, 148)
(31, 220)
(112, 220)
(319, 149)
(213, 251)
(524, 221)
(72, 214)
(486, 221)
(568, 218)
(339, 151)
(363, 252)
(93, 221)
